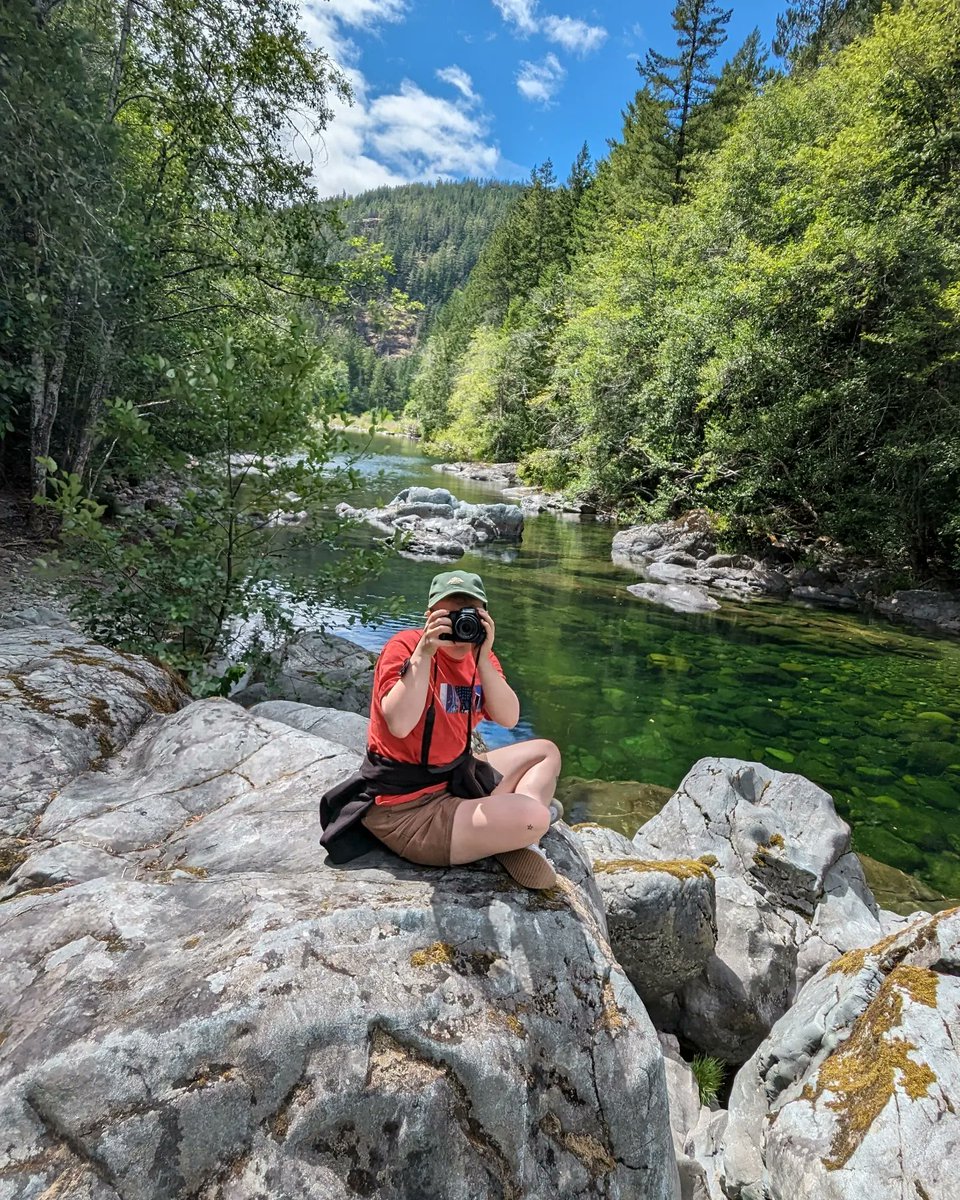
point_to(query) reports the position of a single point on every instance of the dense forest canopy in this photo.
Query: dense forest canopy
(433, 234)
(750, 305)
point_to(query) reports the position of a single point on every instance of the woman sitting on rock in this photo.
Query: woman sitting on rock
(421, 791)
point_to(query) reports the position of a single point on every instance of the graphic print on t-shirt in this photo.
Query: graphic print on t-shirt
(457, 699)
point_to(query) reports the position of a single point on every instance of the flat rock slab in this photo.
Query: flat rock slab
(215, 1012)
(345, 728)
(66, 704)
(856, 1091)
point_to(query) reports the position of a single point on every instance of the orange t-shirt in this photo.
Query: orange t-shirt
(451, 688)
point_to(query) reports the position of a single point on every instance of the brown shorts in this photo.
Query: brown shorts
(419, 830)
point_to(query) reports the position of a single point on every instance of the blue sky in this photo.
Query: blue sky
(484, 88)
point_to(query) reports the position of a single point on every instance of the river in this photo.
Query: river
(868, 710)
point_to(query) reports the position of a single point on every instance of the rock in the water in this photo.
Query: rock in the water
(620, 804)
(790, 896)
(316, 668)
(692, 534)
(924, 607)
(661, 915)
(66, 704)
(856, 1091)
(433, 523)
(677, 597)
(501, 475)
(345, 728)
(219, 1014)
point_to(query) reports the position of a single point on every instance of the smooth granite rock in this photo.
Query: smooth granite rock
(345, 728)
(661, 915)
(66, 704)
(790, 896)
(855, 1093)
(316, 668)
(220, 1014)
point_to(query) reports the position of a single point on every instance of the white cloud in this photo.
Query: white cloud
(519, 13)
(573, 34)
(429, 135)
(402, 137)
(540, 82)
(363, 14)
(457, 77)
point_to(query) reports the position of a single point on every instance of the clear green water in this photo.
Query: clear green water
(869, 711)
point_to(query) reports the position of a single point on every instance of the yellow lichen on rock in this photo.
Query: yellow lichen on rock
(679, 868)
(432, 956)
(862, 1075)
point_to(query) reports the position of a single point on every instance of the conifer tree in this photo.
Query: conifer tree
(684, 81)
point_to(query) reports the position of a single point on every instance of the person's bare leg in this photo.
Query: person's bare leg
(495, 824)
(528, 769)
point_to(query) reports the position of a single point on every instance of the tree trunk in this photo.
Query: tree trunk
(45, 397)
(88, 427)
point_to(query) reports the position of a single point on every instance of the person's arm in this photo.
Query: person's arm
(403, 705)
(499, 699)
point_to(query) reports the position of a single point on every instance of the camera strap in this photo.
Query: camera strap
(430, 719)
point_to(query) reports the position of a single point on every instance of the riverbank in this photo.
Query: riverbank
(684, 559)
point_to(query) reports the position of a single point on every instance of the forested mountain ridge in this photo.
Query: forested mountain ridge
(433, 235)
(751, 305)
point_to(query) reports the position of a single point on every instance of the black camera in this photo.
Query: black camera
(467, 627)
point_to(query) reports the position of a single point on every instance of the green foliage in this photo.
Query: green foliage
(431, 236)
(783, 346)
(203, 580)
(709, 1073)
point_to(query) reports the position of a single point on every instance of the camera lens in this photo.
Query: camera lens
(467, 626)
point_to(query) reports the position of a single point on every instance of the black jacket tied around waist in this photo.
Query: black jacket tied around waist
(343, 806)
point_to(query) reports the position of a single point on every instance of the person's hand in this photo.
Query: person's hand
(486, 646)
(436, 623)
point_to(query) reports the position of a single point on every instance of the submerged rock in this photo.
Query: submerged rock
(433, 523)
(674, 596)
(856, 1091)
(790, 896)
(216, 1012)
(316, 668)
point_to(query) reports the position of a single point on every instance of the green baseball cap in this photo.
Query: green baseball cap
(456, 583)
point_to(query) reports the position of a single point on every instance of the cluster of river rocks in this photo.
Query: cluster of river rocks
(431, 523)
(194, 1003)
(683, 571)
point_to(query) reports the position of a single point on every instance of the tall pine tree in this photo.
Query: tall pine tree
(684, 81)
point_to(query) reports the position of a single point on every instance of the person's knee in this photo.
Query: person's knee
(551, 753)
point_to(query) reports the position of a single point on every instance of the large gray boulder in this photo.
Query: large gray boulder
(856, 1091)
(790, 896)
(66, 704)
(215, 1012)
(662, 916)
(432, 523)
(316, 668)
